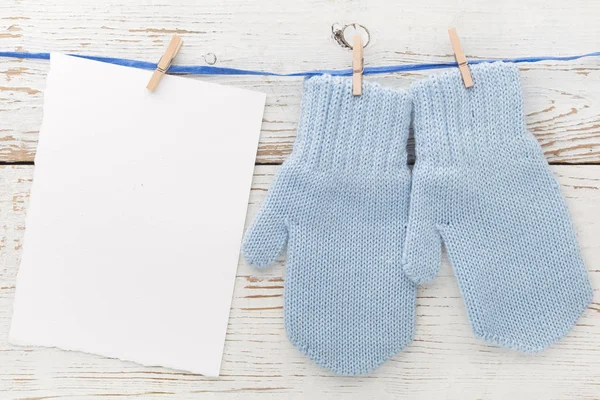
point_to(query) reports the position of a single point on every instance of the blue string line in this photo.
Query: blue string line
(210, 70)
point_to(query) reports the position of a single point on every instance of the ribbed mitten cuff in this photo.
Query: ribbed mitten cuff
(340, 132)
(453, 123)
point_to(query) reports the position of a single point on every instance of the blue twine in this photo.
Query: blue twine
(211, 70)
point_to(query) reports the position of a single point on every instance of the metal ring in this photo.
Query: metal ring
(211, 60)
(355, 25)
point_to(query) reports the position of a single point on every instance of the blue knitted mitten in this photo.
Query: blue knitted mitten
(481, 185)
(340, 201)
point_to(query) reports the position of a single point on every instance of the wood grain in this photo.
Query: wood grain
(445, 360)
(561, 98)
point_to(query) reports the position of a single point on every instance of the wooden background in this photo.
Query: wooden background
(445, 361)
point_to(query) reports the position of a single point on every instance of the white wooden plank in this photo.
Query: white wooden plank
(445, 360)
(562, 99)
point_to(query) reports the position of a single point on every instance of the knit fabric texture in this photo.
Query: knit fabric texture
(340, 202)
(482, 186)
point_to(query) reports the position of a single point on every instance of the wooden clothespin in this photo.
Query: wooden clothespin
(358, 65)
(165, 62)
(463, 64)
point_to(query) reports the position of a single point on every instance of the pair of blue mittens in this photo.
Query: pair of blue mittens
(361, 230)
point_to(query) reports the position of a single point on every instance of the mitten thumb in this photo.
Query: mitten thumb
(267, 236)
(421, 257)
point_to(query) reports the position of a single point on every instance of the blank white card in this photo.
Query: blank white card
(136, 215)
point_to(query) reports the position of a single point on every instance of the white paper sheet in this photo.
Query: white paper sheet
(136, 215)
